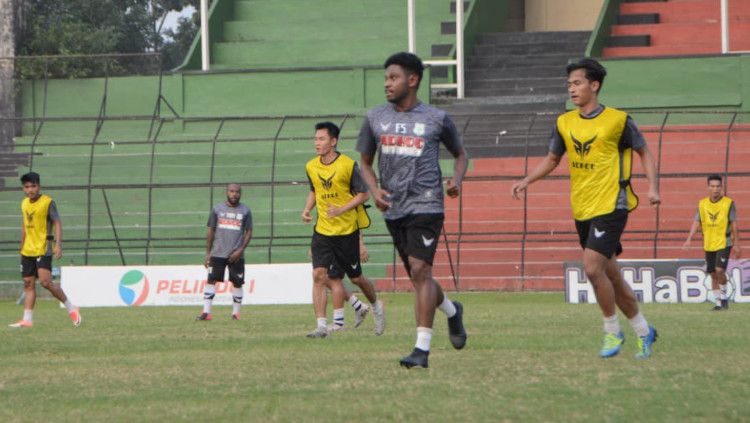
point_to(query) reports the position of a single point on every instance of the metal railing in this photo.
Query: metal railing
(723, 135)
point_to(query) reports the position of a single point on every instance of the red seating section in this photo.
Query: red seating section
(686, 27)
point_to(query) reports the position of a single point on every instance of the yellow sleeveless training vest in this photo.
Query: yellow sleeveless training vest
(35, 222)
(598, 169)
(715, 223)
(332, 185)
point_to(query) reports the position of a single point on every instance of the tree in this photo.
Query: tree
(84, 27)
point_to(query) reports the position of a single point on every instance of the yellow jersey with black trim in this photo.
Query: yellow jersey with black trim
(332, 184)
(600, 167)
(715, 218)
(37, 225)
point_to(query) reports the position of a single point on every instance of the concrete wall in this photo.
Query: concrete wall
(559, 15)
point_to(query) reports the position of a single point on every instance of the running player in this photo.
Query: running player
(407, 135)
(599, 141)
(337, 189)
(38, 246)
(717, 218)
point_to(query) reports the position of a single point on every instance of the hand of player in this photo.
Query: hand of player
(207, 260)
(452, 189)
(737, 252)
(236, 254)
(364, 255)
(653, 197)
(686, 244)
(517, 188)
(57, 251)
(380, 196)
(333, 211)
(306, 217)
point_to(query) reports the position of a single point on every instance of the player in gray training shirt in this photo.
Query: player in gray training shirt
(230, 228)
(407, 135)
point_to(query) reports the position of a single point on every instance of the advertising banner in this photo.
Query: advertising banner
(112, 286)
(663, 281)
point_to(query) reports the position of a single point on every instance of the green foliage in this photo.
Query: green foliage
(87, 27)
(529, 358)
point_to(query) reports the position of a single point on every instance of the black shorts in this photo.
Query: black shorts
(718, 259)
(29, 265)
(337, 253)
(602, 233)
(236, 270)
(416, 235)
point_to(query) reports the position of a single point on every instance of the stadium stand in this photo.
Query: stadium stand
(135, 162)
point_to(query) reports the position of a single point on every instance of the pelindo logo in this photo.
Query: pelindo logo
(134, 288)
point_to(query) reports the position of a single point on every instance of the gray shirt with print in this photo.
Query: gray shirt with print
(408, 144)
(230, 223)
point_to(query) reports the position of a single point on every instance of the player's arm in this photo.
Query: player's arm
(367, 147)
(693, 230)
(309, 204)
(358, 199)
(57, 249)
(23, 234)
(210, 234)
(364, 255)
(54, 216)
(236, 254)
(548, 164)
(648, 162)
(735, 234)
(452, 141)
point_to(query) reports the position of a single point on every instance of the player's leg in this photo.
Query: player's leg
(320, 300)
(711, 268)
(421, 233)
(237, 277)
(348, 259)
(721, 273)
(335, 284)
(44, 272)
(216, 268)
(28, 272)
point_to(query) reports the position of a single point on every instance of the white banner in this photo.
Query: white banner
(663, 281)
(112, 286)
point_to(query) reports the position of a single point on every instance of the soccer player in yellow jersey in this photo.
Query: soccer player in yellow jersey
(599, 141)
(717, 219)
(38, 245)
(339, 192)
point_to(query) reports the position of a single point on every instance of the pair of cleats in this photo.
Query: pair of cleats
(209, 317)
(75, 317)
(378, 316)
(456, 334)
(724, 306)
(613, 343)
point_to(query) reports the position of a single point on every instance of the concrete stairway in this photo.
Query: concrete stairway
(677, 27)
(509, 78)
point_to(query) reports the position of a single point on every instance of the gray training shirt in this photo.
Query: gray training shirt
(230, 224)
(408, 144)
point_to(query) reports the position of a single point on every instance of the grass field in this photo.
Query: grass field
(530, 357)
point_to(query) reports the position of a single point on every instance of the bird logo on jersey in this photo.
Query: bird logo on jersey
(582, 148)
(713, 216)
(327, 183)
(30, 216)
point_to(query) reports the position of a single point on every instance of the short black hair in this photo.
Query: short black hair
(410, 62)
(333, 130)
(32, 177)
(714, 177)
(594, 70)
